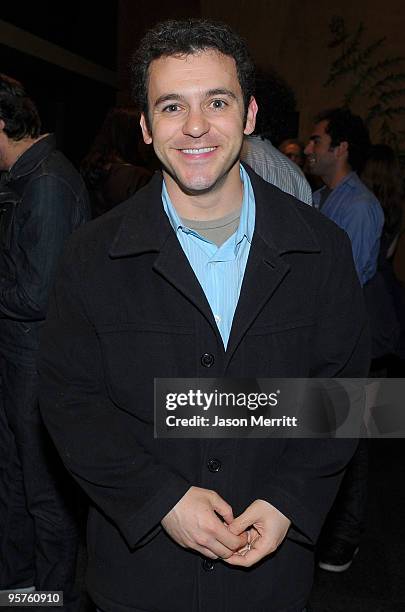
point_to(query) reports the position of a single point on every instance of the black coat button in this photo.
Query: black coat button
(207, 360)
(214, 465)
(208, 565)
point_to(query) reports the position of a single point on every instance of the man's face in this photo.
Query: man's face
(196, 119)
(293, 152)
(321, 156)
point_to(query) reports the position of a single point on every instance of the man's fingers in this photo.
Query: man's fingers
(200, 520)
(267, 528)
(253, 554)
(222, 507)
(243, 521)
(246, 560)
(216, 549)
(230, 540)
(214, 534)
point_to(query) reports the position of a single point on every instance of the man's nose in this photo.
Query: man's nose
(309, 148)
(196, 124)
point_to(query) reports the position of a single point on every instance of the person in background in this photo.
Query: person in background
(336, 151)
(111, 169)
(397, 368)
(384, 294)
(42, 200)
(276, 101)
(399, 253)
(382, 174)
(275, 168)
(294, 150)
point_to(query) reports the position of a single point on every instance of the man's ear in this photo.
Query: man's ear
(342, 149)
(251, 116)
(2, 124)
(147, 136)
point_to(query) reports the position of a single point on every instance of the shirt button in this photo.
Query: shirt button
(207, 360)
(208, 565)
(214, 465)
(217, 319)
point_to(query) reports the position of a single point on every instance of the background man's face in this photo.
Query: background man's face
(320, 154)
(293, 152)
(196, 118)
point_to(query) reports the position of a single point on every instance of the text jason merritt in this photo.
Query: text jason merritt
(252, 421)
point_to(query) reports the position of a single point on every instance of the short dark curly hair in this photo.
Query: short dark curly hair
(187, 37)
(344, 126)
(17, 110)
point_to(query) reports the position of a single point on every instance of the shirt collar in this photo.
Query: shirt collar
(346, 179)
(352, 175)
(247, 216)
(32, 157)
(317, 195)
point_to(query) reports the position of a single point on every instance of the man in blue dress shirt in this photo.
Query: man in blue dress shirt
(336, 151)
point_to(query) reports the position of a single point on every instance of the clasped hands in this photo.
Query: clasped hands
(204, 522)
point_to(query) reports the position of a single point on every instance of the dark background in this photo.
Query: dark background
(71, 105)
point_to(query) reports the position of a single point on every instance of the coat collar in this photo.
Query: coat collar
(144, 227)
(279, 222)
(280, 228)
(32, 158)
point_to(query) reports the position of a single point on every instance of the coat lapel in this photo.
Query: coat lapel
(146, 228)
(174, 266)
(264, 273)
(279, 229)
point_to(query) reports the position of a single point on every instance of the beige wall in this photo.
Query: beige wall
(291, 35)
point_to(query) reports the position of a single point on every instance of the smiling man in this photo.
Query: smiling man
(207, 272)
(198, 129)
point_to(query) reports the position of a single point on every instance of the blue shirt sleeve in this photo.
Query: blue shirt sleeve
(362, 224)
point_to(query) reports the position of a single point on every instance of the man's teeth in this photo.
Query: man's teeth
(198, 151)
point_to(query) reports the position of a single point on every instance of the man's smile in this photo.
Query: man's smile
(198, 151)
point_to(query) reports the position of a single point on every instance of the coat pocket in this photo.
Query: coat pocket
(284, 348)
(134, 355)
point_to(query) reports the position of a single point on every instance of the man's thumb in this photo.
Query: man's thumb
(242, 522)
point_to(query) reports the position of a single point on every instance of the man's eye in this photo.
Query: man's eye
(218, 103)
(171, 108)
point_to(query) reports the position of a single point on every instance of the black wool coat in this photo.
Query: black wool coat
(126, 308)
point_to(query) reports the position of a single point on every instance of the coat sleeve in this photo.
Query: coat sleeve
(305, 482)
(46, 218)
(94, 437)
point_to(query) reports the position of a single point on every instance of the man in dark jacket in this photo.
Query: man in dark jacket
(210, 272)
(42, 200)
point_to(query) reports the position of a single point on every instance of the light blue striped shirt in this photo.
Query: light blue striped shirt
(276, 168)
(219, 270)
